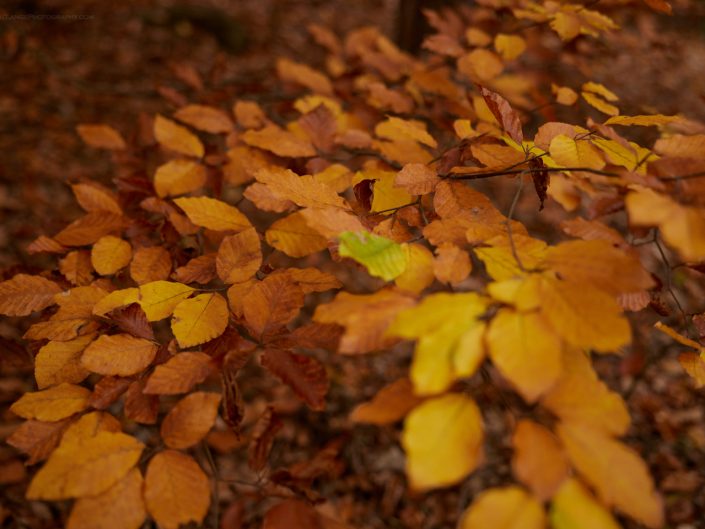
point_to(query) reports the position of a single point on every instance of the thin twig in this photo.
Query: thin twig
(509, 223)
(502, 172)
(214, 470)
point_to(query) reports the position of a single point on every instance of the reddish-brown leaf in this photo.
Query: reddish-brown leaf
(179, 374)
(140, 407)
(303, 374)
(262, 439)
(107, 390)
(505, 114)
(272, 303)
(38, 439)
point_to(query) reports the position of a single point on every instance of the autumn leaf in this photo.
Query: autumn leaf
(213, 214)
(101, 136)
(110, 254)
(89, 228)
(502, 111)
(177, 138)
(263, 434)
(239, 256)
(504, 508)
(179, 177)
(93, 197)
(270, 304)
(574, 508)
(86, 467)
(442, 439)
(199, 319)
(176, 490)
(179, 374)
(159, 298)
(418, 273)
(417, 179)
(279, 141)
(52, 404)
(381, 256)
(305, 191)
(58, 362)
(24, 294)
(389, 405)
(37, 438)
(119, 354)
(150, 264)
(190, 419)
(205, 118)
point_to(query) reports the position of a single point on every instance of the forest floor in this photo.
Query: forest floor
(138, 58)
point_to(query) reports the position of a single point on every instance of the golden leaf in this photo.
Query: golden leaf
(89, 228)
(418, 273)
(178, 177)
(24, 294)
(117, 298)
(53, 404)
(525, 350)
(568, 152)
(94, 197)
(619, 475)
(293, 236)
(643, 121)
(119, 354)
(280, 142)
(304, 75)
(386, 197)
(159, 298)
(110, 254)
(389, 405)
(200, 319)
(190, 419)
(573, 507)
(59, 362)
(394, 128)
(101, 136)
(85, 467)
(77, 267)
(177, 138)
(176, 490)
(304, 191)
(179, 374)
(480, 65)
(442, 439)
(265, 199)
(119, 507)
(205, 118)
(239, 257)
(538, 461)
(504, 508)
(509, 46)
(213, 214)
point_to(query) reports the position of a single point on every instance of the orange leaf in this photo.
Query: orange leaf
(190, 419)
(89, 228)
(265, 199)
(304, 75)
(200, 319)
(85, 467)
(538, 462)
(213, 214)
(119, 507)
(177, 138)
(504, 508)
(451, 265)
(205, 118)
(239, 257)
(53, 404)
(178, 177)
(303, 374)
(59, 362)
(417, 179)
(179, 374)
(293, 236)
(119, 354)
(150, 264)
(262, 439)
(94, 197)
(110, 254)
(310, 279)
(77, 267)
(304, 191)
(272, 303)
(280, 142)
(37, 439)
(198, 270)
(619, 475)
(176, 490)
(140, 407)
(249, 115)
(389, 405)
(24, 294)
(101, 136)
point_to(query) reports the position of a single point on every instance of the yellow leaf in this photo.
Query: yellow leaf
(176, 490)
(205, 118)
(538, 461)
(59, 362)
(574, 508)
(117, 298)
(90, 425)
(381, 256)
(53, 404)
(619, 475)
(694, 365)
(386, 198)
(365, 318)
(24, 294)
(394, 128)
(500, 261)
(101, 136)
(177, 138)
(619, 153)
(336, 176)
(110, 254)
(239, 256)
(568, 152)
(509, 46)
(580, 396)
(601, 90)
(178, 177)
(643, 121)
(190, 419)
(600, 104)
(119, 354)
(480, 65)
(584, 317)
(119, 507)
(304, 191)
(280, 142)
(442, 439)
(213, 214)
(200, 319)
(525, 350)
(159, 298)
(85, 467)
(504, 508)
(304, 75)
(293, 236)
(564, 95)
(150, 264)
(419, 269)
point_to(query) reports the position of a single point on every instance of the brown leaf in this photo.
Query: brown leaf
(205, 118)
(262, 439)
(321, 127)
(198, 270)
(279, 141)
(541, 179)
(179, 374)
(389, 405)
(292, 514)
(233, 411)
(150, 264)
(58, 362)
(24, 294)
(77, 267)
(190, 419)
(107, 390)
(272, 303)
(504, 113)
(38, 439)
(89, 228)
(44, 244)
(94, 197)
(132, 320)
(119, 354)
(239, 256)
(317, 336)
(304, 374)
(140, 407)
(417, 179)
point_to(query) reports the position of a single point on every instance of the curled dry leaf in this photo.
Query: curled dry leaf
(504, 114)
(262, 439)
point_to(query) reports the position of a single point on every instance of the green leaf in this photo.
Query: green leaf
(381, 256)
